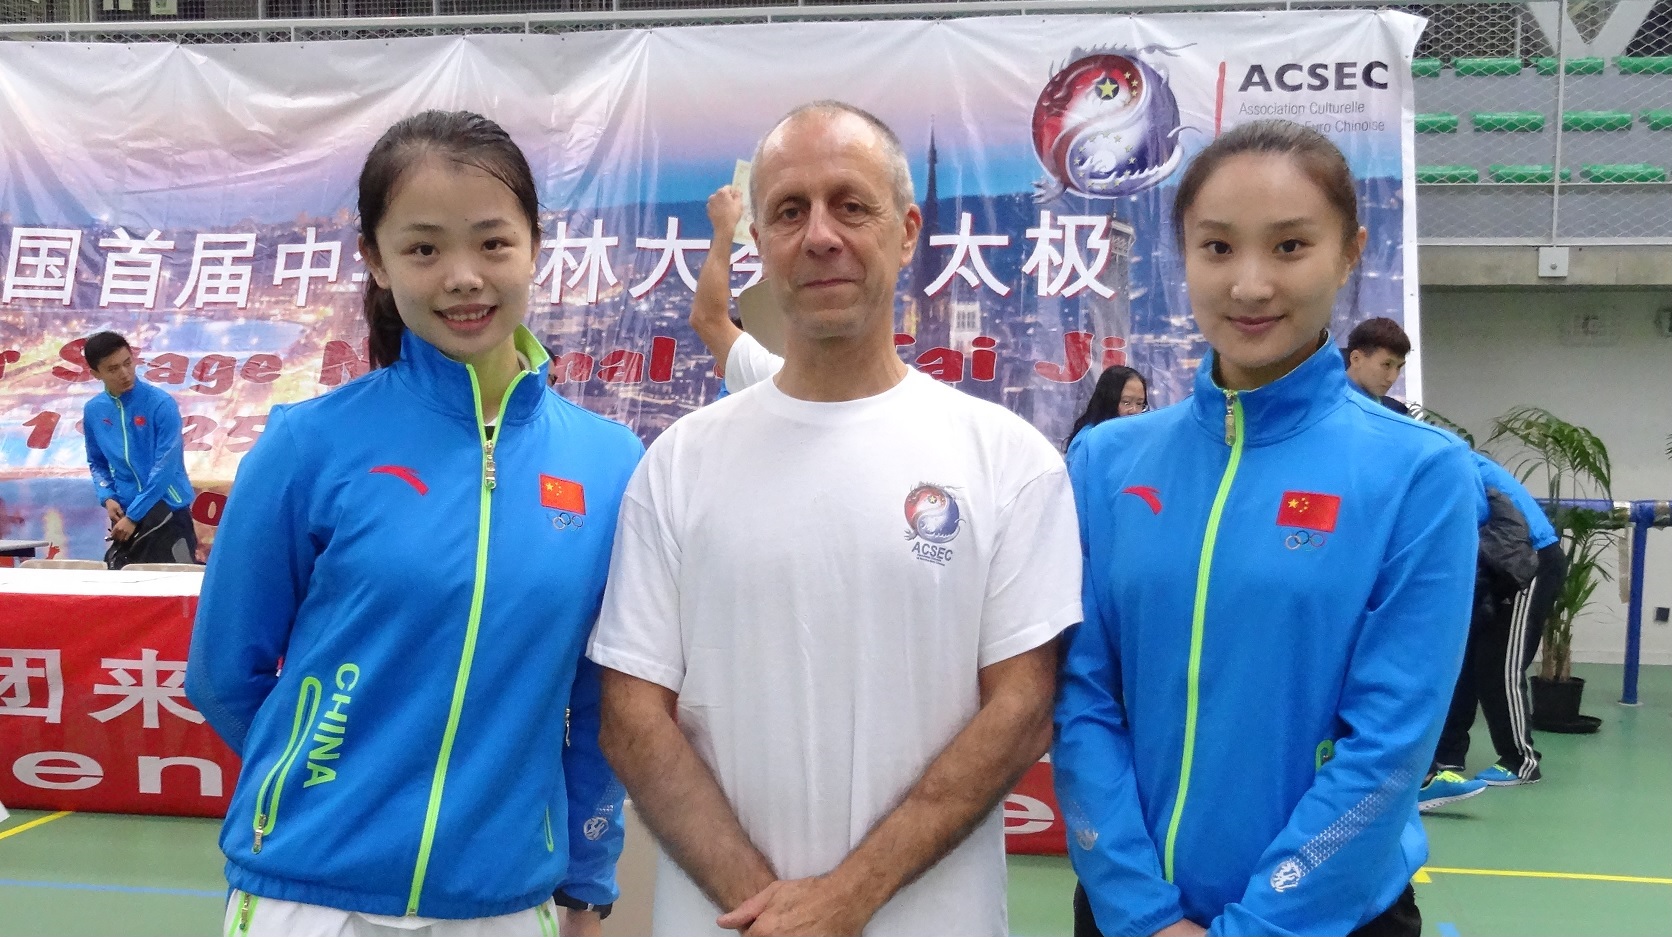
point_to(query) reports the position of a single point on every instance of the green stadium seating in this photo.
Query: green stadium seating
(1592, 65)
(1508, 121)
(1626, 172)
(1437, 123)
(1481, 67)
(1644, 64)
(1581, 121)
(1447, 175)
(1539, 174)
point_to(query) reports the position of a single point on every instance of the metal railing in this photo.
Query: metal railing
(1640, 516)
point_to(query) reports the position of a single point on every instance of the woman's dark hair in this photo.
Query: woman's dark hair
(101, 345)
(1318, 158)
(1105, 398)
(460, 137)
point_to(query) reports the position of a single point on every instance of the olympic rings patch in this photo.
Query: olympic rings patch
(1305, 540)
(564, 520)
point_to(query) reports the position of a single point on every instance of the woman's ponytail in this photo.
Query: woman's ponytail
(383, 326)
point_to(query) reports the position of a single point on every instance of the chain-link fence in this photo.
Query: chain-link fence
(1537, 127)
(1538, 122)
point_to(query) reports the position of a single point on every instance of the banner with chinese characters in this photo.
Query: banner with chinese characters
(201, 201)
(93, 708)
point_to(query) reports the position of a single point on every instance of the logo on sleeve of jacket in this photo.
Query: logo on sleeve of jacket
(139, 421)
(1287, 875)
(933, 517)
(595, 828)
(566, 498)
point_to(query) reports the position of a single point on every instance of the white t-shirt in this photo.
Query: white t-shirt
(748, 363)
(797, 573)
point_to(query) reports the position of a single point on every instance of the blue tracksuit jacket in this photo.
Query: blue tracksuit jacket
(1539, 530)
(134, 449)
(430, 744)
(1277, 593)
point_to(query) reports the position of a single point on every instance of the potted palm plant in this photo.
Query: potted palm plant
(1572, 463)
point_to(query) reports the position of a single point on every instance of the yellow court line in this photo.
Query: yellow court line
(1575, 876)
(38, 821)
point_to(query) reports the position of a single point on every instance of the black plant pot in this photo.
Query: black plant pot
(1556, 707)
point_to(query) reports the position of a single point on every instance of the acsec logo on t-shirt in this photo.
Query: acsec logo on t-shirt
(933, 518)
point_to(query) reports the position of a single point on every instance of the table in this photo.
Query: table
(93, 709)
(23, 548)
(94, 716)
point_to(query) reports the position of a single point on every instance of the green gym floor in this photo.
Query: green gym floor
(1586, 851)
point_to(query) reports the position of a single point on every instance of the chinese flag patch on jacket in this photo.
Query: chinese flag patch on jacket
(1309, 511)
(562, 494)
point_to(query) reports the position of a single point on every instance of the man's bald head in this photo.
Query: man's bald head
(893, 154)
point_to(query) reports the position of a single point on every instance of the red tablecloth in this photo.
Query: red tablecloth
(93, 710)
(1032, 823)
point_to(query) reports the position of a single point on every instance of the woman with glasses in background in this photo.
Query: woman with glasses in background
(1121, 391)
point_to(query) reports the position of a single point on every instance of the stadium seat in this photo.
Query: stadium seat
(1644, 64)
(1582, 121)
(1623, 172)
(1437, 123)
(1447, 175)
(1507, 121)
(1525, 174)
(1592, 65)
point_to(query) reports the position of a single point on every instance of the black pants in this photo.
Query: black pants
(162, 536)
(1401, 919)
(1503, 636)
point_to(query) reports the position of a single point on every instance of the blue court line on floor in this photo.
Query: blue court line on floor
(120, 889)
(1446, 930)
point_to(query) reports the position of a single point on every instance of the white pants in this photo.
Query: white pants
(251, 916)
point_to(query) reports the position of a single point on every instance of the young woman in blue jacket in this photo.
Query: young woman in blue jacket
(392, 621)
(1278, 576)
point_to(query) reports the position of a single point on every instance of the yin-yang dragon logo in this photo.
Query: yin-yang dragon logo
(1105, 126)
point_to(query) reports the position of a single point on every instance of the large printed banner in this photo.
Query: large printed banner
(201, 201)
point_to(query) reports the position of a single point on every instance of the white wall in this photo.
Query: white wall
(1484, 352)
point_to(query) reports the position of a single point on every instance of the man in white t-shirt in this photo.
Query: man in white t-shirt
(742, 360)
(831, 612)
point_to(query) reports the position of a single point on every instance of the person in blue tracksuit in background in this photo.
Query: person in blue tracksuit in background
(1507, 628)
(392, 622)
(1278, 576)
(137, 458)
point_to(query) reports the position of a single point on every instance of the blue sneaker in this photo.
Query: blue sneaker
(1500, 776)
(1447, 787)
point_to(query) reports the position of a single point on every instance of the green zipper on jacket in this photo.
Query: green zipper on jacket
(122, 418)
(267, 809)
(461, 682)
(1234, 433)
(246, 911)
